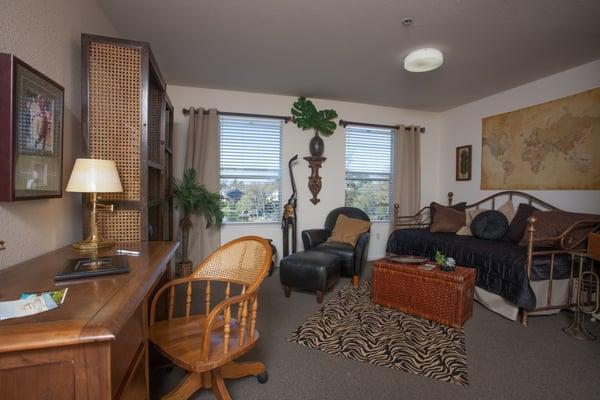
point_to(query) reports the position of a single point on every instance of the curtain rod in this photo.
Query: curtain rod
(406, 128)
(235, 114)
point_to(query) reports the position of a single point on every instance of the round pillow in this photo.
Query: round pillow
(489, 225)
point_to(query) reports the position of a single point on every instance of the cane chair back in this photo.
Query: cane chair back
(239, 261)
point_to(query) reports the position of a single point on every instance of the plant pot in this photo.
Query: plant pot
(446, 268)
(316, 146)
(183, 269)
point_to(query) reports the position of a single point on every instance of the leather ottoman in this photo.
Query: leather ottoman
(311, 270)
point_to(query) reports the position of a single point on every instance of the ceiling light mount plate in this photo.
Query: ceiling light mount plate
(423, 60)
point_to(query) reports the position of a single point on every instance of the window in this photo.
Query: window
(369, 170)
(250, 169)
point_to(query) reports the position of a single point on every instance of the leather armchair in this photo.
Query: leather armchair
(353, 258)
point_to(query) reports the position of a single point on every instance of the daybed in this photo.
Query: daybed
(511, 278)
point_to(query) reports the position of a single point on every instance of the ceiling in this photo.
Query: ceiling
(352, 50)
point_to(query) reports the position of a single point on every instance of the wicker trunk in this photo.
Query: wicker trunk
(445, 297)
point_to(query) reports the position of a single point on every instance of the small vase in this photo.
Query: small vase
(316, 146)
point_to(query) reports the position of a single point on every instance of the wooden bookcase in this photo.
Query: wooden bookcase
(127, 117)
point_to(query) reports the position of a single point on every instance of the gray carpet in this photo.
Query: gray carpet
(504, 360)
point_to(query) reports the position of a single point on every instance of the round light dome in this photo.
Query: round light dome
(423, 60)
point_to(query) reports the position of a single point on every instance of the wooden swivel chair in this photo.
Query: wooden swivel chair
(206, 344)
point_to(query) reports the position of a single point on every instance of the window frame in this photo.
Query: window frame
(374, 131)
(233, 176)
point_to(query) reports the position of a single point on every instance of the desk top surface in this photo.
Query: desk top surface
(95, 309)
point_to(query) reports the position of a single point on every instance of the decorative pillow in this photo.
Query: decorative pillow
(432, 207)
(551, 224)
(490, 225)
(507, 209)
(446, 219)
(519, 222)
(347, 230)
(466, 230)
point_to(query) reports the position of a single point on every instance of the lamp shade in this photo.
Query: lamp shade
(423, 60)
(94, 176)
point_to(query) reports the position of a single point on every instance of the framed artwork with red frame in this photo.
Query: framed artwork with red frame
(31, 132)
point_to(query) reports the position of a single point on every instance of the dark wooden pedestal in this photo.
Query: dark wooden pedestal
(314, 180)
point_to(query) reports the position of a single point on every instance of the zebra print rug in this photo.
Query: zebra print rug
(351, 326)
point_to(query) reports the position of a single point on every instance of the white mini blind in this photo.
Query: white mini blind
(369, 170)
(250, 147)
(368, 153)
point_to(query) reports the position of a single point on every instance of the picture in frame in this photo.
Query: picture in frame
(31, 132)
(464, 162)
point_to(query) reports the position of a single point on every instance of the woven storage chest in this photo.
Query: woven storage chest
(445, 297)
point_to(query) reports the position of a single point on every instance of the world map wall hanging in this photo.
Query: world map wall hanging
(553, 145)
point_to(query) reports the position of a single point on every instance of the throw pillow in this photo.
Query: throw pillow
(466, 230)
(551, 224)
(519, 222)
(446, 219)
(347, 230)
(432, 207)
(490, 225)
(507, 209)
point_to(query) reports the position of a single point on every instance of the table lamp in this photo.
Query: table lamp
(94, 176)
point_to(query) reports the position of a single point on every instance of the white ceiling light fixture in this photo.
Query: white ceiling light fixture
(423, 60)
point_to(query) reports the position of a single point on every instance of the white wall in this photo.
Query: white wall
(462, 126)
(46, 35)
(296, 141)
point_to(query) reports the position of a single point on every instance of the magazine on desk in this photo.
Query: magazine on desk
(32, 303)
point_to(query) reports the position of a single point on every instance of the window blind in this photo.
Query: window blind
(369, 170)
(250, 169)
(250, 147)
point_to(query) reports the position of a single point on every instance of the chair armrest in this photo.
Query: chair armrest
(314, 237)
(361, 250)
(219, 309)
(166, 286)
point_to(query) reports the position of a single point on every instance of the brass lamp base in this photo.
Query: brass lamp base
(94, 241)
(89, 245)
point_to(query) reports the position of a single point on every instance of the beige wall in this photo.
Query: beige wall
(462, 126)
(46, 35)
(296, 141)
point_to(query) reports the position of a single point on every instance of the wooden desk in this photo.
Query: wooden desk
(95, 345)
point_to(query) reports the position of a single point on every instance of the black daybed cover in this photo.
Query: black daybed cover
(501, 265)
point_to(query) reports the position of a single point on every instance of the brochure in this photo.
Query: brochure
(32, 303)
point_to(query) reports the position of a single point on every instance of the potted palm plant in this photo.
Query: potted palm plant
(192, 198)
(306, 116)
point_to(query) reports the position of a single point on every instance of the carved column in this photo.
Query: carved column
(314, 180)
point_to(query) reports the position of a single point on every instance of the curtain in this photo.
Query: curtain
(407, 170)
(202, 154)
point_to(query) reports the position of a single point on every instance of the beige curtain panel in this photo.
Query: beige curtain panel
(202, 154)
(407, 169)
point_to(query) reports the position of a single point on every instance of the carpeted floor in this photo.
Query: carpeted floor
(504, 360)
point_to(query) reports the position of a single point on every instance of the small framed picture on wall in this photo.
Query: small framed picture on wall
(463, 163)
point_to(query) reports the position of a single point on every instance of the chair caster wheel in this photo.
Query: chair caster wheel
(262, 377)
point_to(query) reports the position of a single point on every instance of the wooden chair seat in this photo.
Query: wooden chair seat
(180, 339)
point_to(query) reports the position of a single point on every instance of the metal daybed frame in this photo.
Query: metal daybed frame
(567, 242)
